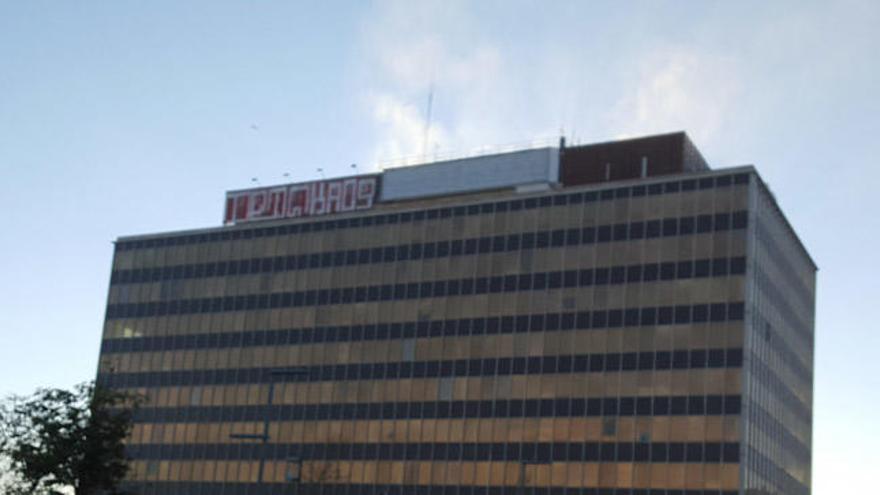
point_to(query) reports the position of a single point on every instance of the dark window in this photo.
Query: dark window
(701, 268)
(722, 221)
(513, 242)
(585, 278)
(719, 267)
(737, 266)
(704, 224)
(588, 235)
(456, 247)
(637, 230)
(634, 273)
(682, 314)
(739, 220)
(685, 269)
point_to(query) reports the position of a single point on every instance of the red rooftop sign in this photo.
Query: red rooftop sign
(301, 200)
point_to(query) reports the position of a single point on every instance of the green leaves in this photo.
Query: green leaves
(57, 438)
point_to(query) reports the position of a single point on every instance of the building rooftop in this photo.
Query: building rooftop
(478, 179)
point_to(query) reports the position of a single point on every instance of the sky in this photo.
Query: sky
(129, 117)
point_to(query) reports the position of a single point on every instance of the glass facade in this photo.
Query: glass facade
(638, 338)
(779, 349)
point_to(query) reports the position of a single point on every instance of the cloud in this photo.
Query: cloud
(413, 50)
(678, 89)
(499, 80)
(463, 88)
(403, 128)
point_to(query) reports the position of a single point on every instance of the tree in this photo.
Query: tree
(10, 481)
(57, 441)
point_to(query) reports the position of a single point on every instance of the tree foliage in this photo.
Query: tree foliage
(57, 440)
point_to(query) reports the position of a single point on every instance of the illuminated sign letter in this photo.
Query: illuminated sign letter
(301, 200)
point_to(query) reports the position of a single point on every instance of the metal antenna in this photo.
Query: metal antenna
(427, 136)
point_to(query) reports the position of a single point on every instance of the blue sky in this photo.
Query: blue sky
(129, 117)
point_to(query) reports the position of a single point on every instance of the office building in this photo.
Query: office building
(608, 319)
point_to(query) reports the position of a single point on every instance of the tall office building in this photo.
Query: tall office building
(607, 319)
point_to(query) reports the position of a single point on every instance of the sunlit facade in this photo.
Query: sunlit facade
(607, 319)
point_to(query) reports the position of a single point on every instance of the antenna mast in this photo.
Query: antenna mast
(427, 135)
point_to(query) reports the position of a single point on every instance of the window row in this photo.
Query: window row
(780, 392)
(785, 353)
(556, 199)
(536, 452)
(780, 433)
(441, 249)
(238, 488)
(581, 363)
(771, 469)
(772, 252)
(539, 322)
(799, 318)
(651, 272)
(694, 405)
